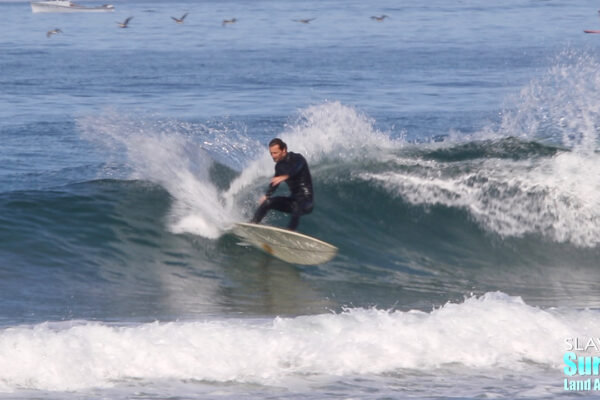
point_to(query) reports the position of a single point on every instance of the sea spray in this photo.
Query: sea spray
(327, 133)
(556, 196)
(179, 157)
(561, 107)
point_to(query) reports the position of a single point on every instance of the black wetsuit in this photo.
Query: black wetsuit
(300, 201)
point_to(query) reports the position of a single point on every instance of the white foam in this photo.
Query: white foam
(478, 336)
(558, 197)
(325, 132)
(179, 156)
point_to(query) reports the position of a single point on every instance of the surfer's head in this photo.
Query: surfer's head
(278, 149)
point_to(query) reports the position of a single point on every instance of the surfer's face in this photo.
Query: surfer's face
(277, 153)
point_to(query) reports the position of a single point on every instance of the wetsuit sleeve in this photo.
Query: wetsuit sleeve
(279, 170)
(270, 190)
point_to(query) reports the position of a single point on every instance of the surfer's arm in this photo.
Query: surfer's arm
(281, 174)
(275, 181)
(270, 190)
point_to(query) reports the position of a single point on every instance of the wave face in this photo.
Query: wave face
(509, 183)
(417, 223)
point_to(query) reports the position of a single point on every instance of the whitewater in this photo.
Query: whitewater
(480, 336)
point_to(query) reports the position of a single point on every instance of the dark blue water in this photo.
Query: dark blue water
(454, 153)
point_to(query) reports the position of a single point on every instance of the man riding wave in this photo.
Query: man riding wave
(292, 169)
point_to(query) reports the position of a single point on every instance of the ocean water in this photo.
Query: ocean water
(454, 149)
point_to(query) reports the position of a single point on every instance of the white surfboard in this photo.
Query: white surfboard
(289, 246)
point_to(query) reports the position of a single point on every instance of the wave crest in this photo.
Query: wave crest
(483, 333)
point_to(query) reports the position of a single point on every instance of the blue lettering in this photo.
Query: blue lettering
(585, 365)
(571, 367)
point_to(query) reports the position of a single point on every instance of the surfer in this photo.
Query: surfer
(292, 169)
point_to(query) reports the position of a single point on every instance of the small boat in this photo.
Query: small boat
(61, 6)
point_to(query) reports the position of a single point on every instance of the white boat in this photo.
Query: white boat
(61, 6)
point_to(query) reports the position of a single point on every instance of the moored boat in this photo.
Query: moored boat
(57, 6)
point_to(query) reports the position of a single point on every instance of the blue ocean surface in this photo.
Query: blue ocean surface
(454, 150)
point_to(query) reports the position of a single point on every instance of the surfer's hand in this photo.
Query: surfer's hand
(262, 199)
(278, 179)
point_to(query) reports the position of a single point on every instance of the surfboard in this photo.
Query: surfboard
(591, 31)
(289, 246)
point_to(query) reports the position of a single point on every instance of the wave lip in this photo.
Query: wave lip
(481, 334)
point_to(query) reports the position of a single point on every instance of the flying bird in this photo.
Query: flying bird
(125, 23)
(228, 21)
(179, 20)
(53, 32)
(305, 21)
(379, 19)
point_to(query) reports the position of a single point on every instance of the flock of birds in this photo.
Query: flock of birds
(225, 22)
(180, 20)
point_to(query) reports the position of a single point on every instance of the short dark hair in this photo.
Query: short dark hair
(279, 143)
